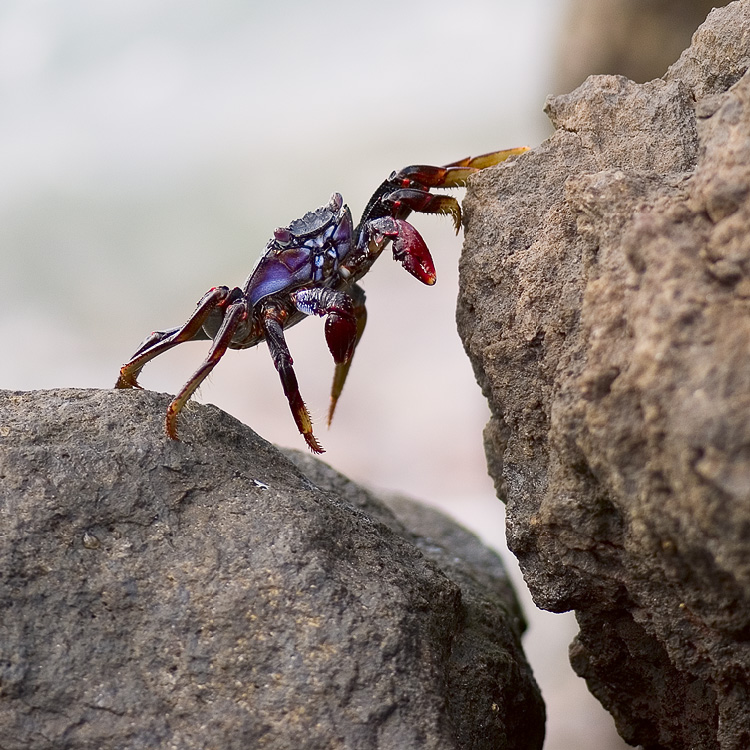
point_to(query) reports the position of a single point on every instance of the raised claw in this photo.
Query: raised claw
(408, 247)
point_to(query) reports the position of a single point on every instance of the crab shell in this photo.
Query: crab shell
(310, 250)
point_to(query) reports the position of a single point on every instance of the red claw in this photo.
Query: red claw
(341, 336)
(408, 247)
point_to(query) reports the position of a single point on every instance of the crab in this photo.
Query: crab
(312, 267)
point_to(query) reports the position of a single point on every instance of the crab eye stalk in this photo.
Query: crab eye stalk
(282, 235)
(335, 202)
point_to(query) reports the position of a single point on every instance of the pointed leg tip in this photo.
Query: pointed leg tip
(170, 424)
(313, 444)
(489, 160)
(126, 381)
(331, 410)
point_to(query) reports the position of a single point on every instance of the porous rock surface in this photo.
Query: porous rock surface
(213, 593)
(605, 306)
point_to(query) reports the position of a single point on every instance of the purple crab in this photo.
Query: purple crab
(312, 267)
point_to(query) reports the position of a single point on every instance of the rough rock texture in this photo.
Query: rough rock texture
(605, 305)
(210, 594)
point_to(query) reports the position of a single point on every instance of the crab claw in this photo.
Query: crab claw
(408, 247)
(341, 334)
(341, 325)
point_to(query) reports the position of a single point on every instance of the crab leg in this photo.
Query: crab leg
(456, 173)
(282, 360)
(409, 190)
(156, 343)
(235, 313)
(405, 200)
(342, 368)
(161, 341)
(488, 160)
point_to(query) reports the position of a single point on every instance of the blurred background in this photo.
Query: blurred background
(148, 149)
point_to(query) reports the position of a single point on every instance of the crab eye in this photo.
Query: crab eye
(335, 202)
(282, 235)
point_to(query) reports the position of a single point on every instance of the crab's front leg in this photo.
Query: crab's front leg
(409, 189)
(273, 327)
(456, 173)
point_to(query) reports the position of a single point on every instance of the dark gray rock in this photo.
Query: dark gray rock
(605, 305)
(208, 593)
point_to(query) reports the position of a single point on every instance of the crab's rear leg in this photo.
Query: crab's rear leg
(161, 341)
(273, 326)
(235, 313)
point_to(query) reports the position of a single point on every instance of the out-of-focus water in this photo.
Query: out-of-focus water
(148, 149)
